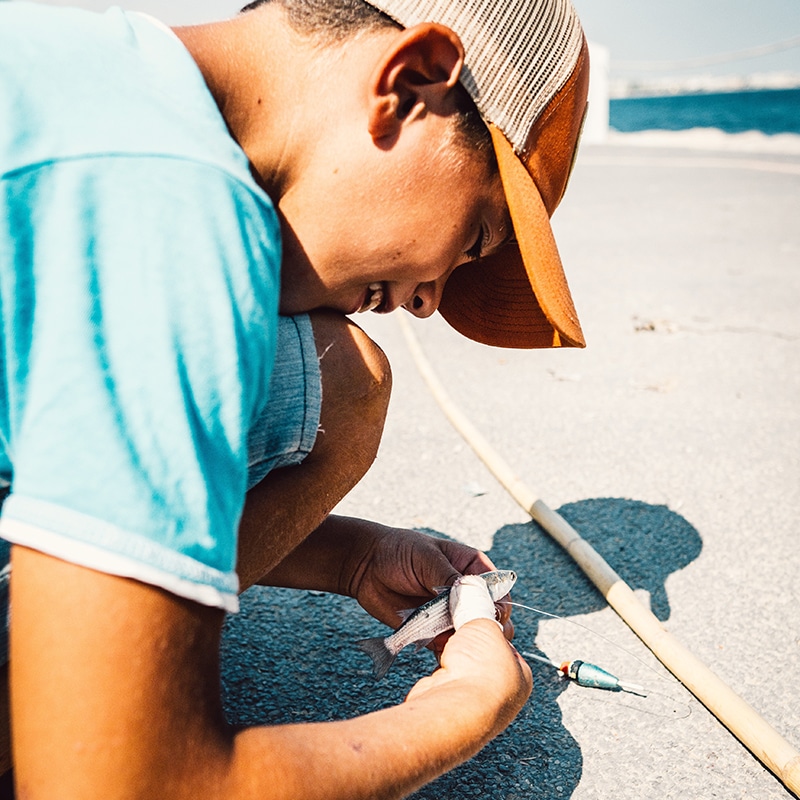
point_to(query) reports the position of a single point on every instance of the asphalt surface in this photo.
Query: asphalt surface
(671, 443)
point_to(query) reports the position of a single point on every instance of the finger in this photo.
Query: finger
(503, 610)
(504, 617)
(509, 630)
(467, 559)
(439, 643)
(479, 563)
(435, 567)
(470, 600)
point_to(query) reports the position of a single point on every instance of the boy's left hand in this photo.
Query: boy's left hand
(403, 569)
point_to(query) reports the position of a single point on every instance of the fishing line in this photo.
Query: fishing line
(624, 692)
(593, 632)
(742, 720)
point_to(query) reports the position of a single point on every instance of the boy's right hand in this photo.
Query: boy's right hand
(482, 669)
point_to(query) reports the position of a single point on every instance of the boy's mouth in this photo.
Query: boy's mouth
(373, 298)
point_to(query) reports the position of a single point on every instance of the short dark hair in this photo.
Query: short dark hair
(337, 20)
(333, 20)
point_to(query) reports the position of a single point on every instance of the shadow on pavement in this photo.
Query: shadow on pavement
(291, 656)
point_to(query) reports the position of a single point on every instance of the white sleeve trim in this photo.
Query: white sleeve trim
(97, 558)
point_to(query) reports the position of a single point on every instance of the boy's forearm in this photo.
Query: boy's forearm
(386, 754)
(115, 690)
(326, 559)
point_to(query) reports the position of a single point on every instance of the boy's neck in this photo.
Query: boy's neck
(257, 72)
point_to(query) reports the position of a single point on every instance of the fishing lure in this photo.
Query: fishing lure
(589, 675)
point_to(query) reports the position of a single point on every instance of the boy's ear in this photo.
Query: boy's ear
(418, 71)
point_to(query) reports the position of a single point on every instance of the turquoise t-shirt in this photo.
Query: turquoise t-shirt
(139, 280)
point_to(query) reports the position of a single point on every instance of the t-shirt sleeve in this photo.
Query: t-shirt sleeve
(139, 349)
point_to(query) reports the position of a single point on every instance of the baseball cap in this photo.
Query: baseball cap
(527, 70)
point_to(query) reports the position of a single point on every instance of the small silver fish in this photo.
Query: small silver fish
(425, 623)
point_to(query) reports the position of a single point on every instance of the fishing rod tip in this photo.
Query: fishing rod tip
(632, 688)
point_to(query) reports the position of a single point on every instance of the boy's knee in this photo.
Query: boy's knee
(356, 379)
(376, 374)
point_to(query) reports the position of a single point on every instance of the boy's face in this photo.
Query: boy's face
(388, 226)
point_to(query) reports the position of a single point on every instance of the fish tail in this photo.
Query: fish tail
(382, 657)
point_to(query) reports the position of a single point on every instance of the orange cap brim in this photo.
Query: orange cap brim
(519, 296)
(537, 245)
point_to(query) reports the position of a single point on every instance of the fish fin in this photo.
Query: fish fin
(419, 644)
(382, 657)
(441, 589)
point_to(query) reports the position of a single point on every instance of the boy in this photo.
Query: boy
(165, 194)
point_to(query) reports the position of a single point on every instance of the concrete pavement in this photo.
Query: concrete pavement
(671, 443)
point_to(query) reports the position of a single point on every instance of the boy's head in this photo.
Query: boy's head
(520, 102)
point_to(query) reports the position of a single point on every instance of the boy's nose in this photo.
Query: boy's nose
(426, 298)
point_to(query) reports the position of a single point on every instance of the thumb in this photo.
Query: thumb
(469, 600)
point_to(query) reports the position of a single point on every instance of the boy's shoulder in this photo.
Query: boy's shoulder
(81, 84)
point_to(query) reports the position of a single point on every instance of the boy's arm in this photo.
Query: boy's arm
(386, 569)
(115, 694)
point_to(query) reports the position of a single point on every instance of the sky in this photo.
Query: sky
(683, 30)
(644, 32)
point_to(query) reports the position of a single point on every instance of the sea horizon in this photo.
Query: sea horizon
(769, 112)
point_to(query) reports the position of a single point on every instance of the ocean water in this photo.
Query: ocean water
(769, 111)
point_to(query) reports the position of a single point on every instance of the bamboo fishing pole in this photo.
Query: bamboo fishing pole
(740, 718)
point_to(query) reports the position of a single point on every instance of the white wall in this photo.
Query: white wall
(595, 128)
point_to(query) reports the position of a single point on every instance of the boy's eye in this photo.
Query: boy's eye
(474, 252)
